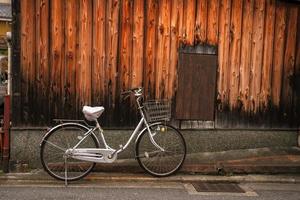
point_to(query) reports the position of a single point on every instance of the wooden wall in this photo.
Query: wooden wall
(77, 52)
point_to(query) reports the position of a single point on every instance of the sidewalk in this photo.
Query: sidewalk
(280, 164)
(275, 160)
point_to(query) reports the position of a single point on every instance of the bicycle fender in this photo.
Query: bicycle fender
(65, 124)
(142, 131)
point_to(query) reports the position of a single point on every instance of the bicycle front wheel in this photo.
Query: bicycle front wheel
(165, 161)
(53, 152)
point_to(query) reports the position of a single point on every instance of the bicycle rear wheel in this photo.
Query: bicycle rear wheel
(156, 162)
(54, 146)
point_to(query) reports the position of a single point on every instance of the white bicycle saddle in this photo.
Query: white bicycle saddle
(92, 113)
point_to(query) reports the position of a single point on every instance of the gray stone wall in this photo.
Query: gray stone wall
(25, 143)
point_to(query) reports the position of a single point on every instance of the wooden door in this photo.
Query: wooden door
(195, 98)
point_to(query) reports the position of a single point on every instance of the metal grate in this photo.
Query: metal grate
(217, 187)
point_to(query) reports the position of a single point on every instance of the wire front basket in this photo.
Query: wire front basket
(157, 110)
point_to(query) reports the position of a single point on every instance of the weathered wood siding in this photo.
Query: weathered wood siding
(77, 52)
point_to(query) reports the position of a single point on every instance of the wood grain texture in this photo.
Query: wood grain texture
(289, 60)
(201, 21)
(138, 44)
(86, 52)
(85, 61)
(150, 48)
(176, 25)
(26, 60)
(244, 88)
(71, 65)
(112, 34)
(268, 54)
(257, 54)
(56, 52)
(126, 44)
(189, 21)
(99, 53)
(163, 49)
(235, 58)
(223, 54)
(278, 55)
(212, 22)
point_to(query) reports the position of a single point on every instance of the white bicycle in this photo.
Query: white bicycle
(70, 150)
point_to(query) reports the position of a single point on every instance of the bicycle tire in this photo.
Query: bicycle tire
(161, 163)
(66, 136)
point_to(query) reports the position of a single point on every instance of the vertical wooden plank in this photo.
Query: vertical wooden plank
(126, 44)
(289, 61)
(201, 21)
(189, 20)
(297, 64)
(212, 19)
(24, 57)
(163, 49)
(27, 58)
(280, 26)
(112, 24)
(32, 69)
(268, 54)
(181, 26)
(296, 81)
(36, 81)
(42, 43)
(16, 63)
(223, 53)
(176, 16)
(85, 55)
(99, 54)
(257, 54)
(137, 48)
(235, 58)
(150, 48)
(246, 53)
(56, 38)
(71, 16)
(125, 56)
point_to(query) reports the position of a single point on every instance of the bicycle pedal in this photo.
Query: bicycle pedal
(146, 155)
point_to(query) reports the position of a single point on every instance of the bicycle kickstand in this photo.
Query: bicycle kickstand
(66, 171)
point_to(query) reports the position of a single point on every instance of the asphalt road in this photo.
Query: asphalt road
(145, 191)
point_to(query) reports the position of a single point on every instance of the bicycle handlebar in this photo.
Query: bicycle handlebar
(136, 91)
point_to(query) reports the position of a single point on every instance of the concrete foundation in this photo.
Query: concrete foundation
(25, 148)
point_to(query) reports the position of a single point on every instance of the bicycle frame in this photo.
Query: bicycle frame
(109, 154)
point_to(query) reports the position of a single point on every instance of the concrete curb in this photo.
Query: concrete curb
(42, 178)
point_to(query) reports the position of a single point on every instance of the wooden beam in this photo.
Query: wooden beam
(268, 54)
(138, 44)
(279, 46)
(289, 61)
(163, 49)
(85, 54)
(42, 59)
(99, 53)
(235, 58)
(201, 21)
(257, 55)
(247, 28)
(223, 52)
(16, 109)
(212, 25)
(150, 48)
